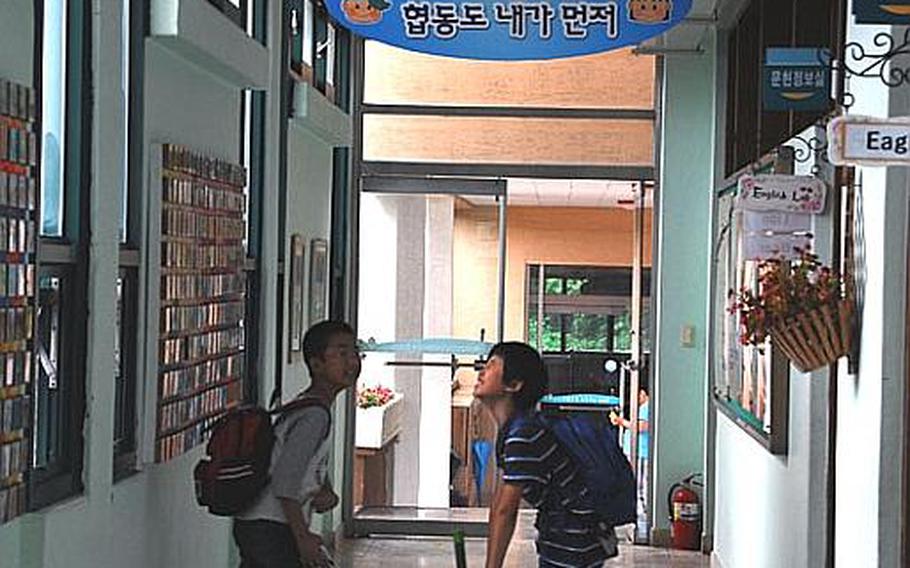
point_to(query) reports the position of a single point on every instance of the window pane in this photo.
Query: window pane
(622, 332)
(53, 117)
(49, 407)
(587, 332)
(125, 98)
(307, 39)
(118, 371)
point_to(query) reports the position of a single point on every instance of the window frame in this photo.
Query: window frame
(126, 405)
(252, 131)
(67, 256)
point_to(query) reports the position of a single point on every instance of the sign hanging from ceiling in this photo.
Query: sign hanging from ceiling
(509, 30)
(775, 192)
(882, 11)
(796, 78)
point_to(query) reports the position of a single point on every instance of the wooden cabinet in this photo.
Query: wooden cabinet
(373, 470)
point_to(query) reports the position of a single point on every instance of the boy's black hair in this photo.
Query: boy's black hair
(520, 362)
(317, 338)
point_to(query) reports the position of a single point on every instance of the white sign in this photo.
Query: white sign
(796, 194)
(865, 141)
(776, 222)
(760, 247)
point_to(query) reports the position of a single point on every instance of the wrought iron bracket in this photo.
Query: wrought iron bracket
(882, 62)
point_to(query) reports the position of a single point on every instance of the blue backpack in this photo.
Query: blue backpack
(593, 443)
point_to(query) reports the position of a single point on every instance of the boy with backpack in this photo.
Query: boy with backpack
(567, 469)
(275, 531)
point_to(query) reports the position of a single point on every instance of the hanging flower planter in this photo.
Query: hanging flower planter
(800, 304)
(816, 338)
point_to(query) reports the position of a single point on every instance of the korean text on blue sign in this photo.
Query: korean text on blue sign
(509, 30)
(796, 78)
(882, 11)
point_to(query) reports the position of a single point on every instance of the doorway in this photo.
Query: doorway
(448, 267)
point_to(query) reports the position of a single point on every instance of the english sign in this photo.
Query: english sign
(509, 30)
(864, 141)
(772, 192)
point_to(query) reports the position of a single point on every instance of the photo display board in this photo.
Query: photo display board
(750, 384)
(18, 222)
(201, 330)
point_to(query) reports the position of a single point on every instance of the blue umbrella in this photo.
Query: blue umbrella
(453, 345)
(480, 449)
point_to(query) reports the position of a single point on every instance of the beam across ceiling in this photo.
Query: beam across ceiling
(553, 171)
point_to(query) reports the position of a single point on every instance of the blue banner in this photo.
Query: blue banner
(796, 78)
(882, 11)
(509, 30)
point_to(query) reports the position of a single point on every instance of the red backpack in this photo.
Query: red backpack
(238, 455)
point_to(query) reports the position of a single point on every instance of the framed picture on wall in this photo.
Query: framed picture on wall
(295, 305)
(319, 265)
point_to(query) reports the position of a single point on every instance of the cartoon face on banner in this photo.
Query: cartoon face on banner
(509, 30)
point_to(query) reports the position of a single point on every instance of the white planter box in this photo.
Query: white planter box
(377, 425)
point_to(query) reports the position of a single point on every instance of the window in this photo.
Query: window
(60, 324)
(53, 116)
(301, 16)
(127, 334)
(235, 10)
(584, 309)
(125, 377)
(252, 152)
(342, 75)
(322, 46)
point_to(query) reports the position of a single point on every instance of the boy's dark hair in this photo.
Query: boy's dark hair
(317, 338)
(520, 362)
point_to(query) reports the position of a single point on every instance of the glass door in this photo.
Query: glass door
(588, 313)
(429, 306)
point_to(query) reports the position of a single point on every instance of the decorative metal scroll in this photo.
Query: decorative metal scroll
(881, 63)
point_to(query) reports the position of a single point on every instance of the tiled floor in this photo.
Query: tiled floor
(430, 552)
(389, 552)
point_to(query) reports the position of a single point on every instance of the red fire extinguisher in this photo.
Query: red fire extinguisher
(685, 514)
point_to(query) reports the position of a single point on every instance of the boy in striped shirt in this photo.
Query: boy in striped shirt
(536, 468)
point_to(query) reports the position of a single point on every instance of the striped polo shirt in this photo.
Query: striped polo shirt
(570, 532)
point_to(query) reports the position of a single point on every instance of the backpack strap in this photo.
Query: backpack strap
(286, 410)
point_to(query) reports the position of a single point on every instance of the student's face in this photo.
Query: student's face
(642, 397)
(340, 363)
(490, 385)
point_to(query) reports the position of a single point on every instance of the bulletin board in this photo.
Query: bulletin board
(749, 384)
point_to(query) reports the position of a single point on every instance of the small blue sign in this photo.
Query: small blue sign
(796, 78)
(509, 30)
(882, 11)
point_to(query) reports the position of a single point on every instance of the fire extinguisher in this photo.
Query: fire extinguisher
(684, 506)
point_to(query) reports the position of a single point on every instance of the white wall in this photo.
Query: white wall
(309, 201)
(436, 390)
(16, 39)
(406, 293)
(772, 511)
(871, 424)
